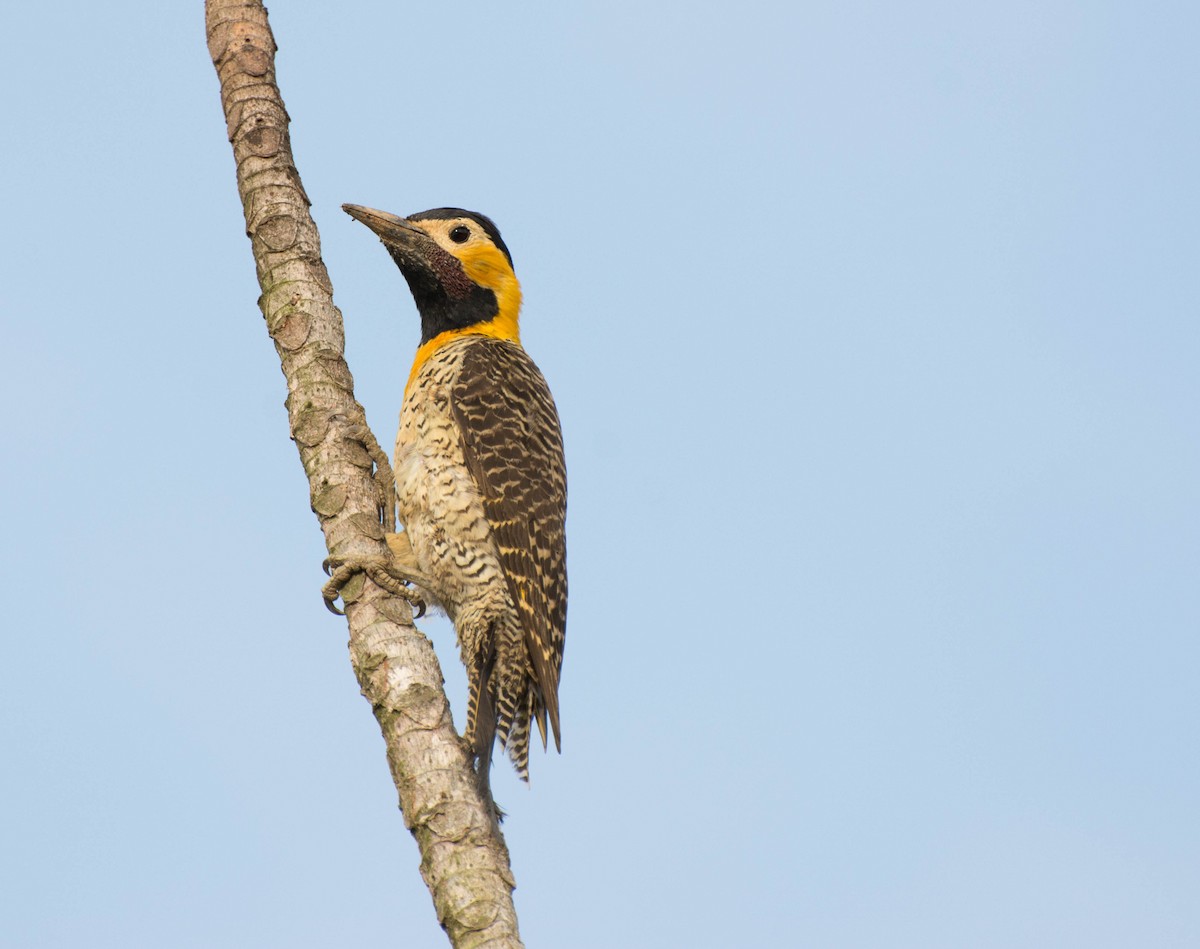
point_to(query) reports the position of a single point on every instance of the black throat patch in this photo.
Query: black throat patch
(446, 297)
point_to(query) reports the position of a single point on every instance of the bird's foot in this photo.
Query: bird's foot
(380, 570)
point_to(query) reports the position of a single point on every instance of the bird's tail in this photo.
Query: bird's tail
(517, 740)
(481, 729)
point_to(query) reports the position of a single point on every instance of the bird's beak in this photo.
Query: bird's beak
(392, 230)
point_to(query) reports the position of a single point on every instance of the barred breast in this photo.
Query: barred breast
(440, 505)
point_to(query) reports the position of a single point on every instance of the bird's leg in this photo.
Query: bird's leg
(385, 479)
(398, 574)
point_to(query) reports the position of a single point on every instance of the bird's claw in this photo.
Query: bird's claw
(380, 571)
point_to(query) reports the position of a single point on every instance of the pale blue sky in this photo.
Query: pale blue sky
(875, 331)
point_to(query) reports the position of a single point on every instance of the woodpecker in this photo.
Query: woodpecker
(481, 486)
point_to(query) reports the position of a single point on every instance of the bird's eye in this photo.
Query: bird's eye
(460, 234)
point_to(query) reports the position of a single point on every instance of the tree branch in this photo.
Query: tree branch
(463, 859)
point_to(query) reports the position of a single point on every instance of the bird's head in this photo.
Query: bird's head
(457, 266)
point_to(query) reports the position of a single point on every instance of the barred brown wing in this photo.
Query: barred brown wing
(512, 444)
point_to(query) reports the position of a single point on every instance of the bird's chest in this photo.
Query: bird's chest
(428, 460)
(437, 498)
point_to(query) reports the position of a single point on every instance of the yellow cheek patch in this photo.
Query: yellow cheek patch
(487, 266)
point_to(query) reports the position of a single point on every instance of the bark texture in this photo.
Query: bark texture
(463, 859)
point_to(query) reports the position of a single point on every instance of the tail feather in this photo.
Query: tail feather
(518, 741)
(500, 708)
(483, 738)
(481, 721)
(507, 713)
(539, 711)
